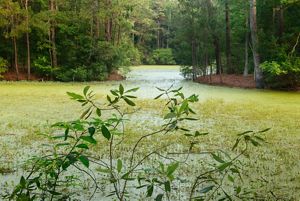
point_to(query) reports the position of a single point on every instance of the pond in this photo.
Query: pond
(27, 109)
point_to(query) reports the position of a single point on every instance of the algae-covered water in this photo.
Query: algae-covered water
(28, 108)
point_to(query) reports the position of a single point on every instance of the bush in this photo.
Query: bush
(3, 66)
(42, 67)
(163, 57)
(57, 172)
(284, 74)
(79, 74)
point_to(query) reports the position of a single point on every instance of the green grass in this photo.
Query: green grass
(27, 109)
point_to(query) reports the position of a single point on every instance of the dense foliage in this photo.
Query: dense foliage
(3, 66)
(87, 40)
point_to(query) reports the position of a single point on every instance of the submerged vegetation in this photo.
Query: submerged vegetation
(53, 172)
(170, 139)
(268, 172)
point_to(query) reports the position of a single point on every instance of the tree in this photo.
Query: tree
(13, 19)
(254, 40)
(228, 38)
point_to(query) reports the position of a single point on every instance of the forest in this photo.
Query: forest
(164, 100)
(87, 40)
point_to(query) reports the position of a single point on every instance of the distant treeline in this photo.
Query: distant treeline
(86, 40)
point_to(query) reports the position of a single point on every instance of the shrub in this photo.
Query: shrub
(3, 66)
(163, 56)
(42, 67)
(283, 74)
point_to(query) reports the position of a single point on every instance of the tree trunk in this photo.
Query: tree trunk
(281, 23)
(246, 47)
(16, 57)
(158, 35)
(218, 55)
(96, 19)
(28, 42)
(52, 7)
(256, 58)
(229, 68)
(108, 22)
(194, 59)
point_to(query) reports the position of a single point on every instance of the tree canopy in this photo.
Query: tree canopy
(86, 40)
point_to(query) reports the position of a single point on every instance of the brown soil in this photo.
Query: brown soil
(228, 80)
(115, 76)
(12, 76)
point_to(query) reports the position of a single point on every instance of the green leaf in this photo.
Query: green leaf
(183, 106)
(105, 132)
(82, 146)
(91, 130)
(84, 114)
(160, 89)
(128, 96)
(114, 93)
(238, 190)
(128, 101)
(172, 168)
(108, 98)
(66, 133)
(54, 193)
(98, 112)
(132, 90)
(265, 130)
(236, 144)
(75, 96)
(62, 144)
(159, 197)
(167, 186)
(85, 90)
(230, 178)
(88, 139)
(170, 115)
(119, 165)
(206, 189)
(157, 97)
(244, 133)
(150, 189)
(121, 89)
(84, 160)
(107, 170)
(255, 143)
(197, 133)
(224, 166)
(189, 135)
(217, 158)
(23, 181)
(191, 119)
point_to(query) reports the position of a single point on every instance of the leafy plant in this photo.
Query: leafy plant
(163, 56)
(43, 67)
(3, 66)
(284, 74)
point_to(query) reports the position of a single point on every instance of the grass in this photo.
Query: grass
(27, 110)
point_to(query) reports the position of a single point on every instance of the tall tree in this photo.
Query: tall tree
(246, 69)
(229, 66)
(25, 5)
(52, 33)
(254, 39)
